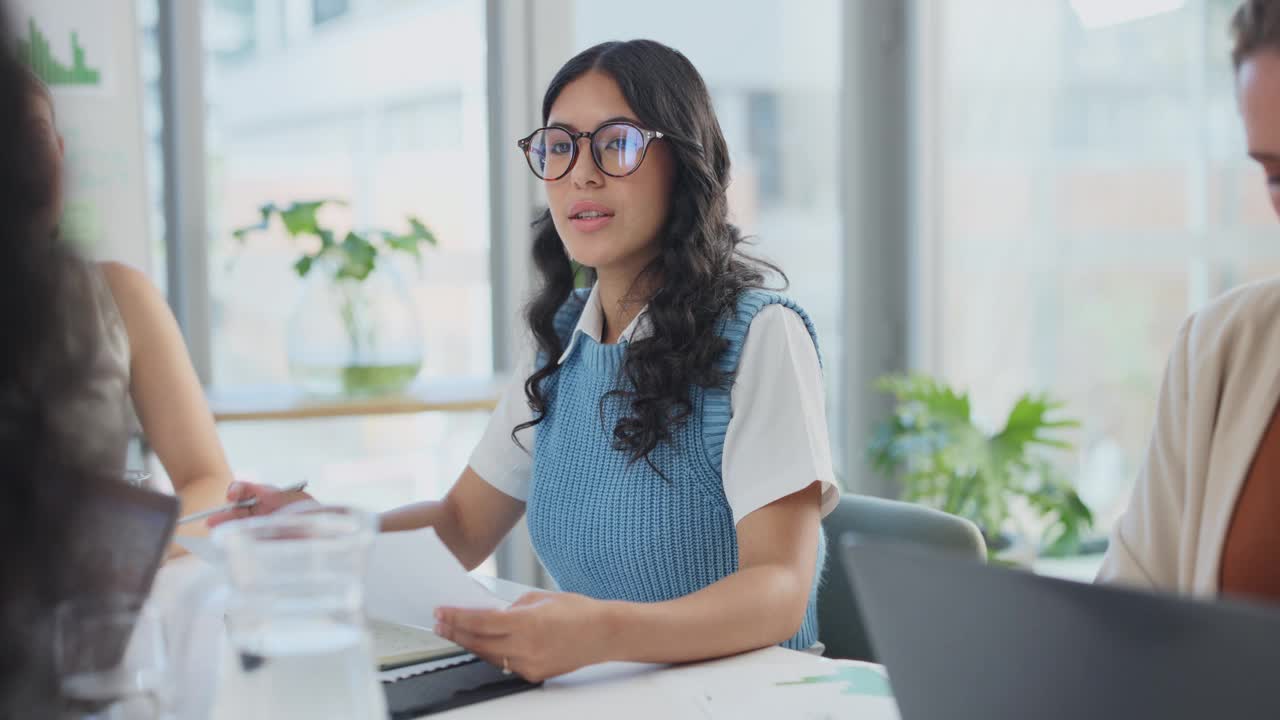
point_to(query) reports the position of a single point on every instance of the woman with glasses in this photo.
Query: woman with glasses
(1203, 517)
(668, 438)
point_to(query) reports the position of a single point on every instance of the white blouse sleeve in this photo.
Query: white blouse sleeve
(497, 458)
(776, 443)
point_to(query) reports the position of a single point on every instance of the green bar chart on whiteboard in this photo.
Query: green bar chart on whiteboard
(74, 70)
(88, 53)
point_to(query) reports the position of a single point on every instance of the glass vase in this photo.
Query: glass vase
(354, 337)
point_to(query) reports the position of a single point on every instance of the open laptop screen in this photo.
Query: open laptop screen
(116, 546)
(966, 641)
(121, 539)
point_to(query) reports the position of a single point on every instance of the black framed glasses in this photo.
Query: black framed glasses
(618, 148)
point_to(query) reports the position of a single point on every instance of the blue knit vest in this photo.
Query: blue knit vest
(613, 529)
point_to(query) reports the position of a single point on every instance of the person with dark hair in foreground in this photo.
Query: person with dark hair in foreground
(151, 372)
(59, 432)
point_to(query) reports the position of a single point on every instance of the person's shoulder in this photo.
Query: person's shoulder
(1239, 323)
(771, 311)
(137, 301)
(751, 302)
(120, 275)
(1266, 290)
(775, 317)
(769, 319)
(129, 286)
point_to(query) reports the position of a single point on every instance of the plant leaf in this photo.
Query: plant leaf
(942, 458)
(1027, 425)
(940, 401)
(1071, 516)
(303, 265)
(405, 243)
(300, 218)
(411, 244)
(422, 231)
(359, 256)
(240, 234)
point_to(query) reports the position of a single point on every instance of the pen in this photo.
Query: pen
(248, 502)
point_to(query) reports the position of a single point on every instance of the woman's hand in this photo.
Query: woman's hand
(542, 635)
(270, 500)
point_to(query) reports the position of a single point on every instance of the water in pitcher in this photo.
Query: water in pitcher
(305, 668)
(298, 645)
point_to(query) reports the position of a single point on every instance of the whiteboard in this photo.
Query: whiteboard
(87, 51)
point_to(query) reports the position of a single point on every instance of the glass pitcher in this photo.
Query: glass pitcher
(296, 618)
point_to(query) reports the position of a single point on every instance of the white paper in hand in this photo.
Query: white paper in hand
(412, 573)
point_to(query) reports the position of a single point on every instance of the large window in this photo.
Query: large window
(382, 108)
(1081, 187)
(1084, 188)
(381, 105)
(773, 69)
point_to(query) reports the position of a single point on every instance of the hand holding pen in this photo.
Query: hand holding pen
(245, 499)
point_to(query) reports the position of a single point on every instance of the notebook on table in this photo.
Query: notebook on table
(423, 673)
(396, 646)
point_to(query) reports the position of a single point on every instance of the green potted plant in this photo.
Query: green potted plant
(943, 459)
(355, 330)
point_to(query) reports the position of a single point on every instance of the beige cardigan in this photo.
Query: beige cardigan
(1220, 390)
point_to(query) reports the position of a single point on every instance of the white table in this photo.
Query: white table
(753, 685)
(737, 688)
(744, 686)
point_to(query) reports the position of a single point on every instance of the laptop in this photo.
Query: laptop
(119, 542)
(966, 641)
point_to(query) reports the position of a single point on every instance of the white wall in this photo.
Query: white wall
(106, 186)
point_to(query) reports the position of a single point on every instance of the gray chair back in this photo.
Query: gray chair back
(872, 519)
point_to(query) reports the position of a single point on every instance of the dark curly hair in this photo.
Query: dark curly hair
(48, 351)
(700, 272)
